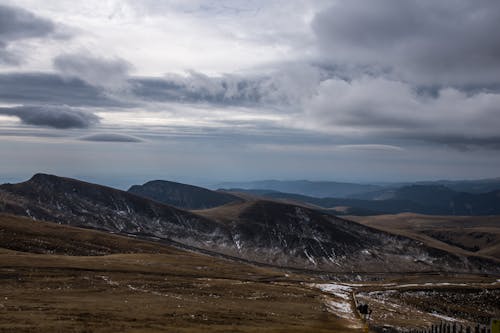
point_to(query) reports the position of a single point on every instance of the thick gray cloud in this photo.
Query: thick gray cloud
(416, 70)
(52, 89)
(109, 73)
(60, 117)
(286, 85)
(449, 42)
(382, 108)
(17, 24)
(111, 137)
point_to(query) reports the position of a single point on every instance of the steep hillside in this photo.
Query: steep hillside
(182, 195)
(26, 235)
(291, 235)
(77, 203)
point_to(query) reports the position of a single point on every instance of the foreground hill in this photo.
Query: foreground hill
(149, 288)
(182, 195)
(260, 231)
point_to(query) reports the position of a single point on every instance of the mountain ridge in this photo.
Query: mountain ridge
(263, 231)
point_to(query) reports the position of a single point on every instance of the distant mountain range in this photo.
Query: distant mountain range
(256, 230)
(422, 199)
(329, 189)
(425, 198)
(318, 189)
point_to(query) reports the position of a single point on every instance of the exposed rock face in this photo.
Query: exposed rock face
(182, 195)
(262, 231)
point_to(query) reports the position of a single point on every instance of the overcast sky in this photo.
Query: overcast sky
(121, 92)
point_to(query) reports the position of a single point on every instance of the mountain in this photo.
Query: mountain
(81, 204)
(259, 231)
(310, 188)
(182, 195)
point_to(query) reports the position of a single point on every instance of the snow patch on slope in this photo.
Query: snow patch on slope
(340, 301)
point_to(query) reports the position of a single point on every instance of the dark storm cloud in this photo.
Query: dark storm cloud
(111, 137)
(60, 117)
(17, 24)
(450, 42)
(41, 88)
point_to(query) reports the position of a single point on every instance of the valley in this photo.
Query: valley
(80, 257)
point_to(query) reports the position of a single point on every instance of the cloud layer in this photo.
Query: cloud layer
(450, 42)
(19, 24)
(60, 117)
(109, 73)
(110, 137)
(383, 108)
(279, 79)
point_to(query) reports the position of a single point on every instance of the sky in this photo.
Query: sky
(205, 91)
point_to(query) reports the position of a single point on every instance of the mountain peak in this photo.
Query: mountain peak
(182, 195)
(42, 177)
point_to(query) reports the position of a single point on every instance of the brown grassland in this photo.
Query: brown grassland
(105, 288)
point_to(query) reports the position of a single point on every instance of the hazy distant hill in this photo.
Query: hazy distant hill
(305, 187)
(423, 199)
(477, 204)
(390, 191)
(182, 195)
(468, 186)
(346, 206)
